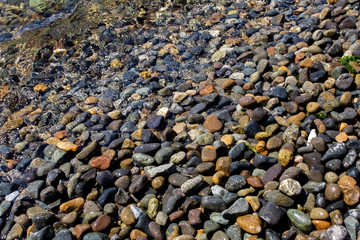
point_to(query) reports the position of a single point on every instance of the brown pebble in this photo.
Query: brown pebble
(212, 123)
(176, 215)
(255, 182)
(247, 101)
(249, 223)
(194, 216)
(136, 234)
(208, 154)
(81, 229)
(336, 217)
(101, 223)
(332, 192)
(223, 164)
(158, 182)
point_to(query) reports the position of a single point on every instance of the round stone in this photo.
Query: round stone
(290, 187)
(332, 192)
(319, 214)
(250, 223)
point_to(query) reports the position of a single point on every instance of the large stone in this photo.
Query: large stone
(300, 220)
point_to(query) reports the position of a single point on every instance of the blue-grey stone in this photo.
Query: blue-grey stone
(337, 150)
(240, 207)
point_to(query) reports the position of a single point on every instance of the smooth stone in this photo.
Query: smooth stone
(272, 173)
(238, 208)
(300, 220)
(64, 234)
(213, 203)
(234, 232)
(279, 198)
(95, 236)
(210, 226)
(311, 186)
(332, 192)
(143, 159)
(237, 151)
(219, 235)
(88, 151)
(163, 155)
(250, 223)
(138, 183)
(101, 223)
(319, 214)
(218, 218)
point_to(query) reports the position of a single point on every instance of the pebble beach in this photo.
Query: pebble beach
(180, 120)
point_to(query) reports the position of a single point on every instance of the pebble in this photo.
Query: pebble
(300, 220)
(290, 187)
(249, 223)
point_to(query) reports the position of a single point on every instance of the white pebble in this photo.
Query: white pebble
(12, 196)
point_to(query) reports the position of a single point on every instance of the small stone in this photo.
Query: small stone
(80, 229)
(191, 184)
(16, 232)
(103, 162)
(279, 198)
(285, 156)
(208, 154)
(238, 208)
(344, 81)
(332, 192)
(249, 223)
(342, 137)
(235, 183)
(290, 187)
(72, 205)
(319, 214)
(212, 123)
(352, 225)
(312, 107)
(321, 224)
(334, 232)
(127, 216)
(67, 146)
(247, 101)
(101, 223)
(337, 150)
